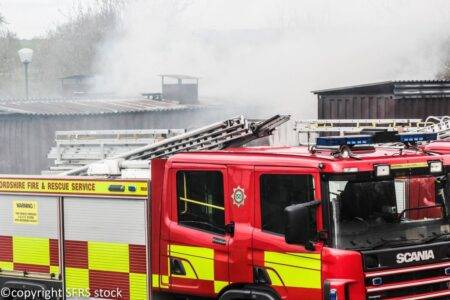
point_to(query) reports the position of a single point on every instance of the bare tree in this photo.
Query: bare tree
(69, 49)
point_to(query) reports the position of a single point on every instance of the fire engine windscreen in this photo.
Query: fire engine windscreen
(376, 214)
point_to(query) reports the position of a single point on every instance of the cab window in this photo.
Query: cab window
(279, 191)
(200, 200)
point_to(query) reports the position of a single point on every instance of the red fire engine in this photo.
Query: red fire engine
(341, 220)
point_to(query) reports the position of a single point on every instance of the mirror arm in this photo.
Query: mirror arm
(310, 246)
(314, 203)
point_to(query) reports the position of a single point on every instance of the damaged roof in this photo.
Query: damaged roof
(83, 106)
(399, 88)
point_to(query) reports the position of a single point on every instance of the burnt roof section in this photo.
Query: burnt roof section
(83, 106)
(400, 89)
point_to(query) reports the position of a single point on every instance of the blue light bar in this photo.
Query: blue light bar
(329, 141)
(376, 138)
(416, 137)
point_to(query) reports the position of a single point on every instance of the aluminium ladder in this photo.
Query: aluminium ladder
(308, 130)
(229, 133)
(439, 125)
(82, 147)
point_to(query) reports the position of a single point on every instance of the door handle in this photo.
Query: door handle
(229, 229)
(219, 241)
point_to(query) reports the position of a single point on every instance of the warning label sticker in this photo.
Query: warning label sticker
(25, 212)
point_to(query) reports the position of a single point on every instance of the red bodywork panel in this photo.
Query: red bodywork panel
(233, 261)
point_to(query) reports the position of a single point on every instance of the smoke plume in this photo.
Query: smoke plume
(273, 53)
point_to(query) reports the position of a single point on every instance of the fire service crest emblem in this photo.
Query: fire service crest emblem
(238, 196)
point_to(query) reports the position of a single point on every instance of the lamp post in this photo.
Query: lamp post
(26, 56)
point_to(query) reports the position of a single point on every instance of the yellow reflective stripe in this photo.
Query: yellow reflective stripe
(197, 251)
(155, 280)
(77, 278)
(274, 278)
(54, 270)
(409, 165)
(201, 259)
(69, 186)
(34, 251)
(219, 286)
(6, 266)
(201, 203)
(190, 273)
(112, 257)
(295, 269)
(304, 260)
(164, 281)
(138, 286)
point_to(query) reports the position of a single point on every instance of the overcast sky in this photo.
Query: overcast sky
(31, 18)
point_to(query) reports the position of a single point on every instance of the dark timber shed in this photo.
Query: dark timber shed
(386, 100)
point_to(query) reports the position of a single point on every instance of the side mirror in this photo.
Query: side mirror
(300, 223)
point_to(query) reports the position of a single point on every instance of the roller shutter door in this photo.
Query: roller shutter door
(105, 246)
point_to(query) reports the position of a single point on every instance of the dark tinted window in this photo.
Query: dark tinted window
(200, 200)
(280, 191)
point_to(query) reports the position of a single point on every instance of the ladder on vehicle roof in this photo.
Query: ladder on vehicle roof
(82, 147)
(439, 125)
(229, 133)
(344, 126)
(308, 130)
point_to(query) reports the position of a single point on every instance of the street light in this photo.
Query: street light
(26, 56)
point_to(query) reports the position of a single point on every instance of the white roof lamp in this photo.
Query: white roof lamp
(26, 55)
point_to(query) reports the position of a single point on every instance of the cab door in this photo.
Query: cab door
(198, 244)
(292, 270)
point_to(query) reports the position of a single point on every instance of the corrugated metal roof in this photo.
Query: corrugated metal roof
(85, 106)
(400, 89)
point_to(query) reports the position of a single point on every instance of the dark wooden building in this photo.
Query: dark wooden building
(386, 100)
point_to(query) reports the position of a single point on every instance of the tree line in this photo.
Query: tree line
(69, 49)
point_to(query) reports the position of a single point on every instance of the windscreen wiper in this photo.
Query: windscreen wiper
(384, 242)
(400, 215)
(433, 238)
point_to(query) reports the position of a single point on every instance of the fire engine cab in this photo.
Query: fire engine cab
(341, 220)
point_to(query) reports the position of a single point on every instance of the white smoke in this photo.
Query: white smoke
(273, 52)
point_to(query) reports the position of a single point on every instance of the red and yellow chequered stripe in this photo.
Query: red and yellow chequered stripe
(29, 254)
(108, 266)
